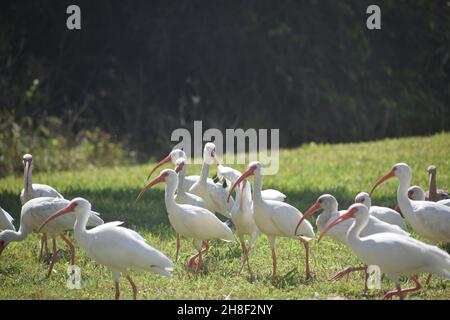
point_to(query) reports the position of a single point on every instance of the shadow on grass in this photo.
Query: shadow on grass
(150, 213)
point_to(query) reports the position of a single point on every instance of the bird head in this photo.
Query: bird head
(357, 210)
(173, 156)
(253, 167)
(325, 201)
(364, 198)
(167, 175)
(400, 170)
(210, 154)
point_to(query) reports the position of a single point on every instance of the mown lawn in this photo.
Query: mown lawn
(306, 172)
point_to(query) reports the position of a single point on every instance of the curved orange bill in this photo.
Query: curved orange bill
(247, 173)
(388, 175)
(151, 184)
(345, 216)
(314, 208)
(162, 162)
(68, 209)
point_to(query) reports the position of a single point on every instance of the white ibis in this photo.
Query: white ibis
(118, 248)
(35, 190)
(417, 193)
(434, 194)
(34, 213)
(173, 156)
(6, 221)
(214, 195)
(396, 255)
(276, 218)
(241, 212)
(183, 197)
(384, 214)
(190, 221)
(330, 213)
(429, 219)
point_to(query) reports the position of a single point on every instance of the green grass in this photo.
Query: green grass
(306, 172)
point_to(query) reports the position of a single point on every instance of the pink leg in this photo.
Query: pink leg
(135, 290)
(274, 264)
(338, 276)
(71, 247)
(401, 293)
(54, 258)
(429, 278)
(117, 291)
(245, 251)
(178, 247)
(191, 261)
(44, 246)
(309, 274)
(200, 261)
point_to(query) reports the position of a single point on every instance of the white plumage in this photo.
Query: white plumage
(116, 247)
(384, 214)
(429, 219)
(6, 221)
(275, 218)
(396, 255)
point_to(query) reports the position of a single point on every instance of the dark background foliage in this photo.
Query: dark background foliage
(139, 69)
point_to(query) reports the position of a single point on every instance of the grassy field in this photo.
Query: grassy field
(306, 172)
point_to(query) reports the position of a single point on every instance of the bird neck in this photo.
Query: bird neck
(432, 193)
(181, 177)
(324, 217)
(18, 235)
(27, 183)
(80, 225)
(169, 196)
(257, 187)
(204, 173)
(355, 229)
(402, 196)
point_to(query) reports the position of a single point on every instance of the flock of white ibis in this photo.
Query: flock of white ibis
(378, 236)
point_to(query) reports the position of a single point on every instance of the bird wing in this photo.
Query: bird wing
(375, 225)
(219, 196)
(122, 248)
(285, 217)
(6, 220)
(203, 224)
(43, 190)
(434, 218)
(272, 194)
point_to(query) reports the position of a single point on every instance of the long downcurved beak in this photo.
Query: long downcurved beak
(314, 208)
(345, 216)
(151, 184)
(387, 176)
(247, 173)
(68, 209)
(162, 162)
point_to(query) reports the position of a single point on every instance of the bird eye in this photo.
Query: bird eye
(320, 201)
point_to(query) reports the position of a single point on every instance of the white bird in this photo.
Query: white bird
(241, 212)
(183, 197)
(35, 190)
(395, 254)
(385, 214)
(430, 220)
(275, 218)
(214, 195)
(190, 221)
(34, 213)
(330, 213)
(173, 156)
(118, 248)
(417, 193)
(6, 221)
